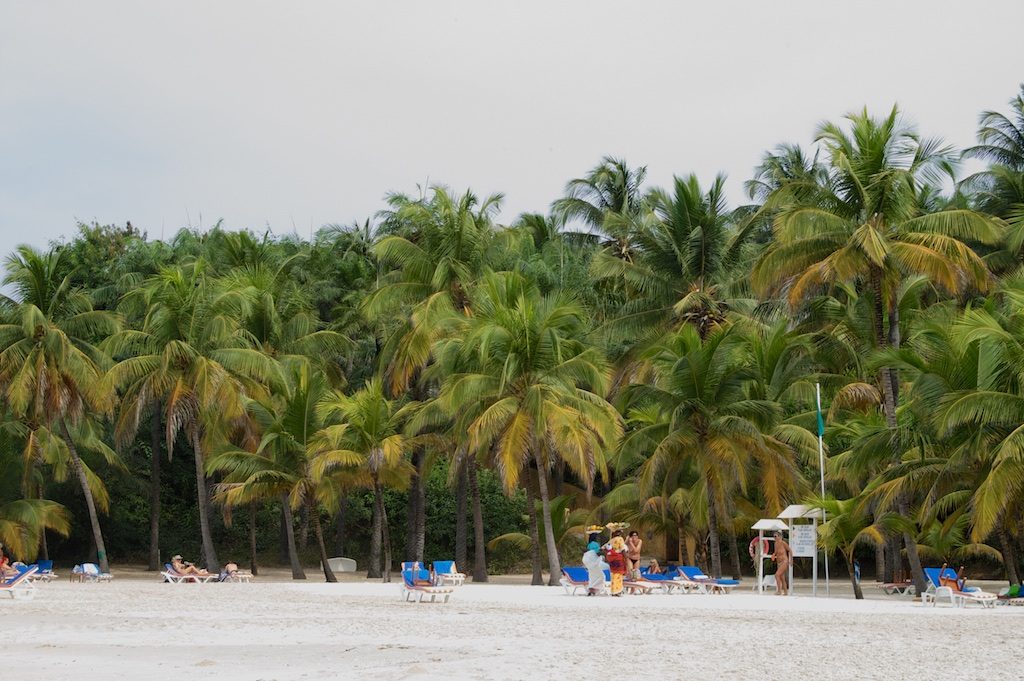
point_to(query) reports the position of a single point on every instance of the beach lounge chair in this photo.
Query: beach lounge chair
(20, 585)
(669, 580)
(631, 585)
(959, 594)
(896, 588)
(417, 584)
(172, 576)
(44, 571)
(1011, 595)
(575, 578)
(706, 584)
(445, 573)
(89, 572)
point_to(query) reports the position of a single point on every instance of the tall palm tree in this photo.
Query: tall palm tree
(295, 459)
(863, 224)
(50, 365)
(193, 361)
(709, 421)
(366, 429)
(612, 187)
(523, 388)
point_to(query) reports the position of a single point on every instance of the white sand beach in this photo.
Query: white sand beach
(137, 628)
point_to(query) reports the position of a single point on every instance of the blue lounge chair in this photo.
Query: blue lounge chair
(959, 595)
(44, 572)
(418, 584)
(89, 572)
(669, 580)
(20, 585)
(630, 585)
(576, 578)
(445, 573)
(705, 583)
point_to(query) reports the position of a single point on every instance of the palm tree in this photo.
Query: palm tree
(295, 460)
(706, 419)
(848, 525)
(522, 388)
(50, 367)
(365, 429)
(612, 187)
(863, 224)
(193, 362)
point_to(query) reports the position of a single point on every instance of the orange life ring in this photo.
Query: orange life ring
(752, 548)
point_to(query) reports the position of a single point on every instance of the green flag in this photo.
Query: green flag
(821, 419)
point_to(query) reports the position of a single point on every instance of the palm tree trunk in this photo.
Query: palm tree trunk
(90, 504)
(252, 540)
(857, 593)
(889, 379)
(893, 559)
(880, 562)
(420, 536)
(555, 570)
(1009, 556)
(376, 532)
(734, 551)
(531, 512)
(479, 549)
(293, 554)
(44, 550)
(154, 492)
(714, 545)
(684, 548)
(385, 533)
(318, 532)
(412, 508)
(303, 528)
(285, 552)
(461, 530)
(209, 554)
(339, 526)
(911, 543)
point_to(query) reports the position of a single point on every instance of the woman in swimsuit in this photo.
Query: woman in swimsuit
(782, 556)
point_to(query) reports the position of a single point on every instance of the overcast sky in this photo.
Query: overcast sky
(296, 114)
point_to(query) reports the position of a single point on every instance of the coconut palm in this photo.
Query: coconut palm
(366, 429)
(521, 387)
(50, 365)
(864, 225)
(191, 360)
(294, 462)
(847, 526)
(612, 187)
(707, 420)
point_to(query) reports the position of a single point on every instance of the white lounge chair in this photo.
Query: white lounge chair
(706, 584)
(89, 572)
(20, 586)
(416, 585)
(445, 573)
(172, 576)
(945, 583)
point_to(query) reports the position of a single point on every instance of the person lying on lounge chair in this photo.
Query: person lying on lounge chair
(186, 568)
(228, 572)
(653, 568)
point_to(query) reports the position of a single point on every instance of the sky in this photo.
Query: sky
(291, 115)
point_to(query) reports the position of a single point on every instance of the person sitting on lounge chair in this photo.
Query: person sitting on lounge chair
(653, 568)
(6, 569)
(228, 572)
(186, 568)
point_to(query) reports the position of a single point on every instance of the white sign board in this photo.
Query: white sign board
(803, 539)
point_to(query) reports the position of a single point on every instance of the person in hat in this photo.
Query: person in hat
(595, 569)
(615, 554)
(185, 568)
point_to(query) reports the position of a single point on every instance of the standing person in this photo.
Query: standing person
(595, 569)
(633, 545)
(615, 554)
(783, 557)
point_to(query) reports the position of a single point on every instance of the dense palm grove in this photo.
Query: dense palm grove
(436, 382)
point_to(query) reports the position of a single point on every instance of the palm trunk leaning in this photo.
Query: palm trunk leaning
(531, 511)
(555, 570)
(209, 553)
(461, 526)
(318, 532)
(90, 504)
(289, 529)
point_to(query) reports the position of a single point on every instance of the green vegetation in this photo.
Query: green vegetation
(433, 383)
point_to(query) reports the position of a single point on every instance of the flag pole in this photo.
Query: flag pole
(821, 469)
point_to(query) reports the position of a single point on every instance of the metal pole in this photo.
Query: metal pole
(821, 471)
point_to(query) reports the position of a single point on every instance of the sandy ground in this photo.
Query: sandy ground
(136, 628)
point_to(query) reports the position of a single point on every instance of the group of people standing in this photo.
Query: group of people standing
(620, 556)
